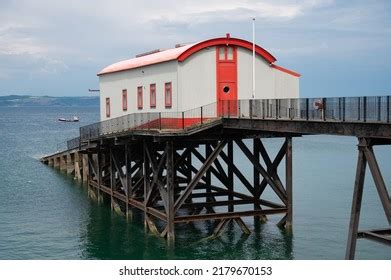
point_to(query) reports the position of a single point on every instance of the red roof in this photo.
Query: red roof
(182, 53)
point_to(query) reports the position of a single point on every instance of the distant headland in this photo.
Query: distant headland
(38, 101)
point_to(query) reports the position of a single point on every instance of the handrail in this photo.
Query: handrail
(331, 109)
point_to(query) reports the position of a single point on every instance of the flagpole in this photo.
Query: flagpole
(253, 94)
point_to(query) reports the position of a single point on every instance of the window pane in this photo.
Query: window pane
(221, 53)
(230, 54)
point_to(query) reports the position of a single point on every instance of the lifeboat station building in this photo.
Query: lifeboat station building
(193, 75)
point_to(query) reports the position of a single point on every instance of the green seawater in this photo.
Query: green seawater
(45, 214)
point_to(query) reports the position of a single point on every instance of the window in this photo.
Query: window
(226, 53)
(222, 53)
(152, 95)
(168, 95)
(124, 100)
(139, 97)
(107, 107)
(230, 53)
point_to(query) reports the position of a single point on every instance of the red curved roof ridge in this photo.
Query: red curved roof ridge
(227, 41)
(182, 53)
(293, 73)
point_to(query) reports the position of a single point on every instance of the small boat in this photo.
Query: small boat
(74, 119)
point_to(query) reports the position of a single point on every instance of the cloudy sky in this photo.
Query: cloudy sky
(342, 48)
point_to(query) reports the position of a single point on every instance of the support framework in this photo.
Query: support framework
(177, 181)
(366, 156)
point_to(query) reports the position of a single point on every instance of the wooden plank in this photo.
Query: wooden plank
(219, 216)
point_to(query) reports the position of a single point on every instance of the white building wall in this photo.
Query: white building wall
(270, 83)
(111, 85)
(197, 80)
(286, 85)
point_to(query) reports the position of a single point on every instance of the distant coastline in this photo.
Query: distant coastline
(41, 101)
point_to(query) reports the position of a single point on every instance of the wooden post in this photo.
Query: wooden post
(128, 181)
(146, 169)
(63, 163)
(170, 192)
(99, 170)
(230, 152)
(112, 179)
(85, 168)
(356, 204)
(78, 167)
(70, 163)
(289, 183)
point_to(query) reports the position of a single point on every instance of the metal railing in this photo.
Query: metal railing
(73, 143)
(334, 109)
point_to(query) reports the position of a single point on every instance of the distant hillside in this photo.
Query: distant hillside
(36, 101)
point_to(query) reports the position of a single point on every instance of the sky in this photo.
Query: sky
(341, 48)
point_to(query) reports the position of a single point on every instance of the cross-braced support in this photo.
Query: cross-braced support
(366, 157)
(182, 182)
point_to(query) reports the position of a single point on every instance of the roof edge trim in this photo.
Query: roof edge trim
(227, 41)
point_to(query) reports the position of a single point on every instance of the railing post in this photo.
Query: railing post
(388, 109)
(183, 120)
(307, 105)
(239, 111)
(202, 121)
(339, 108)
(277, 104)
(324, 100)
(343, 108)
(365, 108)
(379, 108)
(251, 108)
(160, 121)
(263, 109)
(359, 108)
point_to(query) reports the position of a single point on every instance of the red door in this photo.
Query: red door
(227, 96)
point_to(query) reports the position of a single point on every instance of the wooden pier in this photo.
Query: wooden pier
(177, 171)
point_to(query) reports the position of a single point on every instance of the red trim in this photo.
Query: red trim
(152, 95)
(286, 70)
(124, 100)
(139, 97)
(227, 41)
(168, 101)
(107, 107)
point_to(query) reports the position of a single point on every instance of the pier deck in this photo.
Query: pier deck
(181, 167)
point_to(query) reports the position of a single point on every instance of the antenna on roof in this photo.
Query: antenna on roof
(183, 44)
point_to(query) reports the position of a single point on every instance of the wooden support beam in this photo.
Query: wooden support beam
(230, 187)
(242, 225)
(289, 183)
(99, 177)
(219, 216)
(379, 181)
(220, 227)
(237, 172)
(85, 170)
(198, 175)
(78, 166)
(356, 204)
(146, 171)
(112, 180)
(170, 211)
(271, 169)
(278, 189)
(128, 180)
